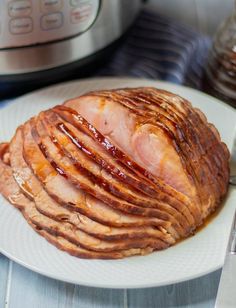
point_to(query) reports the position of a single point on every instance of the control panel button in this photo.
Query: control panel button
(51, 21)
(19, 8)
(49, 6)
(81, 13)
(76, 3)
(21, 25)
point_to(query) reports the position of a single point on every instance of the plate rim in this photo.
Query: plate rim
(120, 78)
(104, 285)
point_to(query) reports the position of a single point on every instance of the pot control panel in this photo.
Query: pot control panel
(29, 22)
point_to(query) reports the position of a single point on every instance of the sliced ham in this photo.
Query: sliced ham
(116, 173)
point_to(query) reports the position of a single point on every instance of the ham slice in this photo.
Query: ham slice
(116, 173)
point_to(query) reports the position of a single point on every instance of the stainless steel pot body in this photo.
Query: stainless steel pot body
(37, 35)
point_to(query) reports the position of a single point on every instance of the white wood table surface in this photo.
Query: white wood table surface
(22, 288)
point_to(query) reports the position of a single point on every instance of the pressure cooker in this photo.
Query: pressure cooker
(46, 40)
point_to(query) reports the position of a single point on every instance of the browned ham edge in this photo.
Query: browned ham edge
(190, 122)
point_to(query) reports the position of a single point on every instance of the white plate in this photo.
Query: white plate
(193, 257)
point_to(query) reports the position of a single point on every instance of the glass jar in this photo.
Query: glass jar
(220, 73)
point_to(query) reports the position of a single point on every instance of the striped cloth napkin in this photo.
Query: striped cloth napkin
(158, 48)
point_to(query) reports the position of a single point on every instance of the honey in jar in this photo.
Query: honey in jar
(220, 74)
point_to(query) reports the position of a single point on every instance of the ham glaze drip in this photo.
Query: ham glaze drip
(116, 173)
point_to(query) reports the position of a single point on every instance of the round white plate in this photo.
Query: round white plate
(193, 257)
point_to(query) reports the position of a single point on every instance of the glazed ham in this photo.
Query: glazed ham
(116, 173)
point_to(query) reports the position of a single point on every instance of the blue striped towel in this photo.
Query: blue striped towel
(156, 47)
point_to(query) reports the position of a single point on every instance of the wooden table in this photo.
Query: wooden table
(22, 288)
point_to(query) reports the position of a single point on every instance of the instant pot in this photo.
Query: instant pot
(45, 41)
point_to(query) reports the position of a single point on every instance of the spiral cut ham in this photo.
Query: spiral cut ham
(116, 173)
